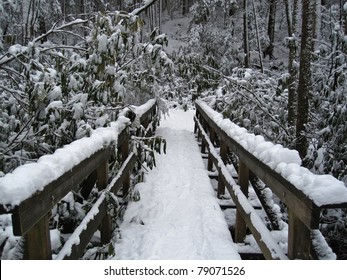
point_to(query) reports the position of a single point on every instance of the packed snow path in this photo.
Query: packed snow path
(178, 215)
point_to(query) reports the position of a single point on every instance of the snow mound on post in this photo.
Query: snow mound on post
(140, 110)
(322, 189)
(27, 179)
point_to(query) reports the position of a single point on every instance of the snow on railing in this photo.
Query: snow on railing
(27, 179)
(303, 192)
(322, 189)
(32, 190)
(143, 109)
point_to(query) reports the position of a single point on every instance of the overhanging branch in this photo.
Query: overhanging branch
(146, 5)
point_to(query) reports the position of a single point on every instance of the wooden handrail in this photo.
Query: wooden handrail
(91, 222)
(269, 247)
(303, 212)
(31, 217)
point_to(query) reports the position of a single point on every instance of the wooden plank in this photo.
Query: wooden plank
(38, 241)
(102, 181)
(271, 252)
(203, 147)
(224, 207)
(30, 211)
(126, 183)
(252, 256)
(223, 154)
(151, 110)
(122, 138)
(287, 192)
(299, 236)
(117, 183)
(259, 189)
(145, 122)
(149, 130)
(86, 232)
(269, 210)
(87, 186)
(240, 226)
(210, 161)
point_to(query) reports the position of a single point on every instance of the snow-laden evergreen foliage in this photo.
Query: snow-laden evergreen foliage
(52, 93)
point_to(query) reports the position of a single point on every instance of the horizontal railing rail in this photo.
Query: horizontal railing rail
(304, 213)
(31, 216)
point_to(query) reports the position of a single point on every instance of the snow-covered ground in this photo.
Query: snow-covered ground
(178, 215)
(176, 31)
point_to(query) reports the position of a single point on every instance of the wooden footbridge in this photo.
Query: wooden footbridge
(31, 216)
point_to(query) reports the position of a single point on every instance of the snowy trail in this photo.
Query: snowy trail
(178, 216)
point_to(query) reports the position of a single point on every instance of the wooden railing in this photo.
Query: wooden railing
(303, 222)
(31, 217)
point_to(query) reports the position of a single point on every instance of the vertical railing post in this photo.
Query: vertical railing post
(203, 144)
(145, 122)
(197, 117)
(210, 160)
(299, 236)
(124, 149)
(102, 181)
(223, 154)
(38, 241)
(243, 181)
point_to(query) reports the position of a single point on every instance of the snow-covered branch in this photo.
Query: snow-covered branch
(146, 5)
(256, 100)
(19, 51)
(62, 27)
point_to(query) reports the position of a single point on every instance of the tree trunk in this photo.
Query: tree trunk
(292, 81)
(271, 26)
(28, 15)
(314, 24)
(245, 33)
(120, 5)
(160, 15)
(99, 6)
(304, 88)
(318, 24)
(258, 39)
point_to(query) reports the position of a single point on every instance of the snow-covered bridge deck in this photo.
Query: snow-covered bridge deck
(178, 215)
